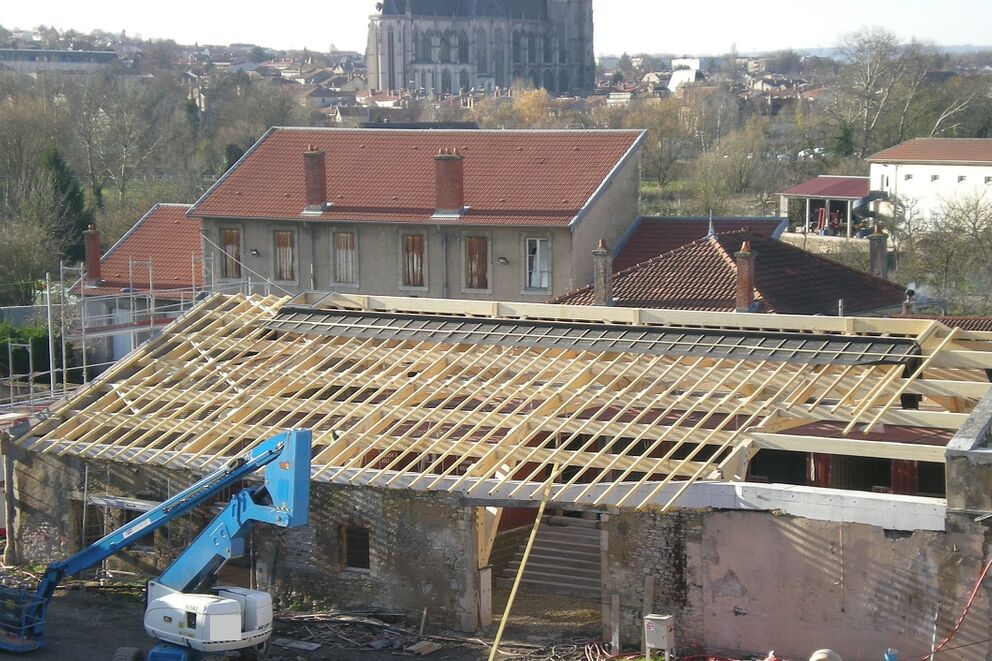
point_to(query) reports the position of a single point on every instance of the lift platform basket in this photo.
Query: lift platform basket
(21, 614)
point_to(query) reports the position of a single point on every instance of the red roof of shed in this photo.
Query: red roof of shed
(829, 186)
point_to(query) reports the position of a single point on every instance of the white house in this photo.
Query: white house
(919, 176)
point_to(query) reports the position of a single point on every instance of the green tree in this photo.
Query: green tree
(70, 217)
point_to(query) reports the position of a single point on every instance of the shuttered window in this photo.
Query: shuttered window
(476, 262)
(345, 266)
(538, 263)
(285, 256)
(413, 260)
(230, 260)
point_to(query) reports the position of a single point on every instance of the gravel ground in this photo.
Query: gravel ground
(90, 625)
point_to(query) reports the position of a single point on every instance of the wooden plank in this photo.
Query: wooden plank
(850, 447)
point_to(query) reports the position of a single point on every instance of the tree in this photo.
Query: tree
(70, 217)
(872, 71)
(669, 143)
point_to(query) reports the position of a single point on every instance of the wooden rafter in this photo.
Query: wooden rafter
(435, 395)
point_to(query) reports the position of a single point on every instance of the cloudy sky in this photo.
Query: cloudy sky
(704, 27)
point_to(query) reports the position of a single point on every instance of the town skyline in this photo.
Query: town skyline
(779, 26)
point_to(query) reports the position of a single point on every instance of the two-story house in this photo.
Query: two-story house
(492, 215)
(920, 176)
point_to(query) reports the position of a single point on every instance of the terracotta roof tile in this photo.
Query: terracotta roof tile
(651, 236)
(703, 276)
(523, 178)
(938, 150)
(833, 187)
(167, 237)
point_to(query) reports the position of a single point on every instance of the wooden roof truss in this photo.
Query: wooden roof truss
(499, 402)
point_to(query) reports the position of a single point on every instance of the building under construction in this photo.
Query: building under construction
(772, 481)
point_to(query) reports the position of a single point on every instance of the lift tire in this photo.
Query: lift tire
(128, 654)
(258, 652)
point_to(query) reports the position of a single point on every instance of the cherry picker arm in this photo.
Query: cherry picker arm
(190, 626)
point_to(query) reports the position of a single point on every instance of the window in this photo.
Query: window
(538, 263)
(345, 253)
(285, 266)
(962, 179)
(230, 260)
(476, 262)
(355, 548)
(908, 177)
(988, 180)
(934, 177)
(413, 260)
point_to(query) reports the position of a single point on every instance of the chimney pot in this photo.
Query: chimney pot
(315, 177)
(91, 243)
(745, 278)
(602, 275)
(449, 168)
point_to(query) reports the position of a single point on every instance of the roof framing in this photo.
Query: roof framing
(502, 401)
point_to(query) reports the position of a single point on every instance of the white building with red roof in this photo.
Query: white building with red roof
(485, 215)
(919, 177)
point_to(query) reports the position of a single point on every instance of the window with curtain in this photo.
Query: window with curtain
(538, 263)
(345, 265)
(230, 260)
(285, 255)
(476, 262)
(413, 260)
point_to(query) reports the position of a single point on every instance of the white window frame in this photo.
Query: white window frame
(221, 252)
(525, 263)
(296, 255)
(489, 262)
(334, 258)
(425, 271)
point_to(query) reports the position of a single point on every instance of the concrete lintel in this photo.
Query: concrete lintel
(892, 512)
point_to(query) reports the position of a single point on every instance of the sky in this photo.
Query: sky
(704, 27)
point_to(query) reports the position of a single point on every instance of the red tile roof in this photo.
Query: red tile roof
(788, 280)
(827, 186)
(968, 323)
(519, 178)
(937, 150)
(166, 237)
(651, 236)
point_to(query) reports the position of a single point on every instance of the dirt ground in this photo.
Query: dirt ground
(90, 625)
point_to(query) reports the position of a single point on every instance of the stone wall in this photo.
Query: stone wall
(422, 545)
(734, 579)
(422, 554)
(665, 548)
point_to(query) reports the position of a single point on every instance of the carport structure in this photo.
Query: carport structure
(508, 403)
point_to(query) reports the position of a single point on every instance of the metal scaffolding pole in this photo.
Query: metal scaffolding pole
(51, 334)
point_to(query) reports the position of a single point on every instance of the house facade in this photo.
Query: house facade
(920, 176)
(443, 47)
(478, 215)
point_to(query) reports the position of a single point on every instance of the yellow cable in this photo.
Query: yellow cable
(523, 564)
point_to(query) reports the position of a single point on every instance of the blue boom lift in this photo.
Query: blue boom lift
(190, 626)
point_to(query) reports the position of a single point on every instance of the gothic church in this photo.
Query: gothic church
(449, 46)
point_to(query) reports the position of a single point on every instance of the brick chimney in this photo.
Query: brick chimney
(315, 176)
(878, 250)
(91, 243)
(602, 275)
(450, 181)
(745, 278)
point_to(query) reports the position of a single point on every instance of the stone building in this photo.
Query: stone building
(445, 46)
